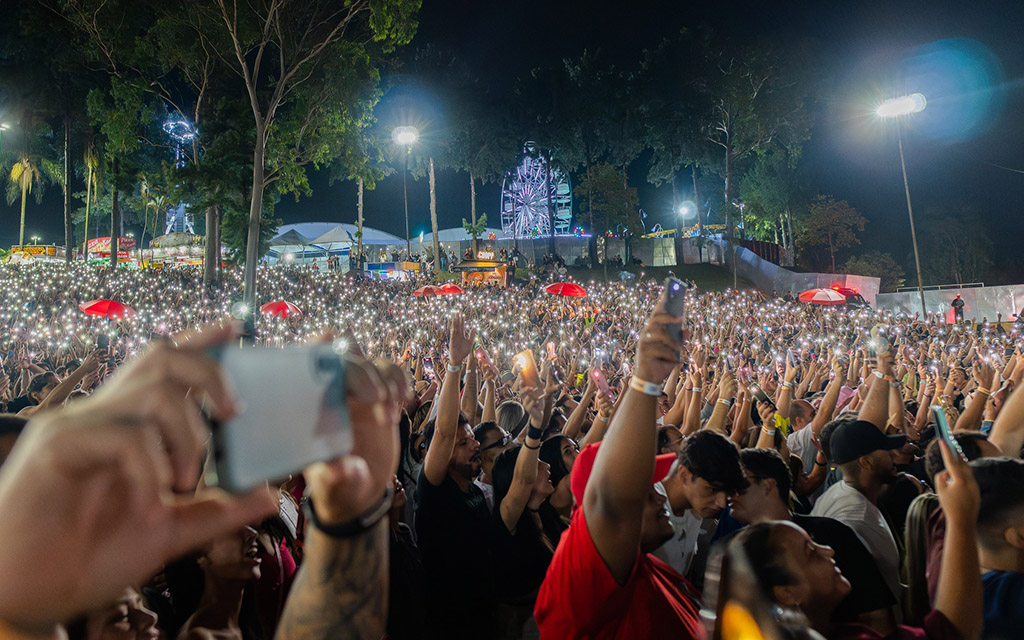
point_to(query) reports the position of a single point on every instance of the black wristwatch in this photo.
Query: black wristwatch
(350, 529)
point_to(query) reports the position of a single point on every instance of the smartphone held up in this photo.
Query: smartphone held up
(528, 367)
(293, 412)
(675, 305)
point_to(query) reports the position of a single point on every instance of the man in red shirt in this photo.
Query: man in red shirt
(602, 581)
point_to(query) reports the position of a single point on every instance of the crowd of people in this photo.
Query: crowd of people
(523, 465)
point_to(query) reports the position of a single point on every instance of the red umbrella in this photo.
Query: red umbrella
(822, 296)
(427, 290)
(566, 289)
(106, 309)
(281, 309)
(452, 289)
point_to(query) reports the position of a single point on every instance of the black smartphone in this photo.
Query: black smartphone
(760, 395)
(103, 341)
(675, 305)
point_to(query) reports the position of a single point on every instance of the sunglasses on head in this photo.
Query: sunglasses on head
(505, 439)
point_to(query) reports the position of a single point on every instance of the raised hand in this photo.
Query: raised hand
(107, 468)
(461, 341)
(347, 487)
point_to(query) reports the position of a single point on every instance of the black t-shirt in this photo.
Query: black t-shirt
(453, 531)
(521, 559)
(19, 403)
(870, 591)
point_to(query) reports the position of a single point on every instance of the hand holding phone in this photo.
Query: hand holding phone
(942, 427)
(601, 381)
(675, 305)
(294, 412)
(528, 366)
(482, 357)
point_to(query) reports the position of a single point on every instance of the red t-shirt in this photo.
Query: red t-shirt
(580, 599)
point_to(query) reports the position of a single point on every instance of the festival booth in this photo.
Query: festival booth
(98, 249)
(176, 249)
(392, 270)
(31, 254)
(484, 271)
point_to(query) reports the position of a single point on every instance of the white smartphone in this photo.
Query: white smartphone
(293, 412)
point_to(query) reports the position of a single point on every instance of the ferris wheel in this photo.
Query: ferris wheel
(524, 198)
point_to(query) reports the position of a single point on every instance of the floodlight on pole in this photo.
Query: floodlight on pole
(3, 127)
(406, 136)
(902, 106)
(896, 108)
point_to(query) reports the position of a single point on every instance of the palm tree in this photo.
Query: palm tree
(157, 203)
(475, 229)
(24, 175)
(92, 188)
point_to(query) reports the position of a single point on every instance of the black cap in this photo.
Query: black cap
(859, 438)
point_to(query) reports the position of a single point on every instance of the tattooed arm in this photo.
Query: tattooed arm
(341, 591)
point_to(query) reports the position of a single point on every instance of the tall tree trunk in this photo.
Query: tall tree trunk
(433, 221)
(832, 253)
(472, 208)
(792, 239)
(115, 214)
(24, 193)
(551, 203)
(359, 224)
(220, 258)
(69, 237)
(592, 243)
(88, 202)
(728, 209)
(252, 243)
(210, 250)
(675, 195)
(696, 196)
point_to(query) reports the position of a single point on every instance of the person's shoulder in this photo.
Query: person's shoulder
(1010, 583)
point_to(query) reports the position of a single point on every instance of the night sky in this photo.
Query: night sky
(967, 58)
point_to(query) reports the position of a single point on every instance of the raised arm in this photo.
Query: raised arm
(469, 405)
(435, 464)
(490, 395)
(341, 590)
(828, 403)
(959, 593)
(876, 406)
(620, 482)
(61, 392)
(574, 424)
(726, 397)
(1008, 430)
(525, 474)
(984, 376)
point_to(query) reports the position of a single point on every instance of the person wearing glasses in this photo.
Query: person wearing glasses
(493, 440)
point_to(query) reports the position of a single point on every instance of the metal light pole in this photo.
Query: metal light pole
(405, 197)
(896, 108)
(406, 136)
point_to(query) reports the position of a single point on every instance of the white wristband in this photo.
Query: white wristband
(455, 369)
(645, 387)
(697, 389)
(727, 403)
